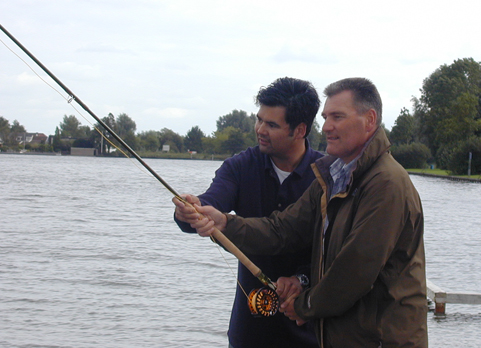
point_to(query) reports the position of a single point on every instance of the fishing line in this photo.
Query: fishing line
(263, 301)
(69, 101)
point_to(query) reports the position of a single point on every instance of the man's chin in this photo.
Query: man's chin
(331, 151)
(264, 148)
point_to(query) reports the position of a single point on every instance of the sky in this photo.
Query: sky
(177, 64)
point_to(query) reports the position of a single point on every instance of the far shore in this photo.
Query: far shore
(436, 173)
(160, 155)
(443, 174)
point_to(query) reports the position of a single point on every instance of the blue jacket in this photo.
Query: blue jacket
(247, 184)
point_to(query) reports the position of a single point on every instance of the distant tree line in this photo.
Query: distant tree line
(444, 126)
(442, 129)
(235, 132)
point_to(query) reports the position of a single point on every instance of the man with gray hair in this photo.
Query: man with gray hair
(364, 220)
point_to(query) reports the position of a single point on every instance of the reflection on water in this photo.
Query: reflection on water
(90, 256)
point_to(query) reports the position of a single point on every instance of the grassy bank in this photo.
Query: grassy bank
(440, 172)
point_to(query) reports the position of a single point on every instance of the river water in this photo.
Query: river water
(90, 256)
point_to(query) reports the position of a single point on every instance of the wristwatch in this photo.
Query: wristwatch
(303, 279)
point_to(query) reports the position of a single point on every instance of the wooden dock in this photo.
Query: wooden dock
(440, 297)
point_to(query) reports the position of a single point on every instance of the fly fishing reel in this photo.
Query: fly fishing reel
(263, 302)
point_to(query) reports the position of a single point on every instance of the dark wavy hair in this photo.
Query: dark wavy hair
(366, 95)
(299, 97)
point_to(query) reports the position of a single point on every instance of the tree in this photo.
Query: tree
(104, 141)
(450, 97)
(237, 119)
(414, 155)
(15, 130)
(459, 159)
(69, 127)
(462, 124)
(215, 143)
(4, 130)
(193, 139)
(149, 141)
(314, 136)
(126, 129)
(210, 144)
(125, 125)
(83, 142)
(56, 143)
(235, 141)
(174, 140)
(403, 130)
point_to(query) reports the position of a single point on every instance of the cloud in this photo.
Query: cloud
(26, 78)
(103, 48)
(181, 63)
(174, 113)
(290, 53)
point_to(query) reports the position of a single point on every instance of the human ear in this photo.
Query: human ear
(300, 131)
(371, 120)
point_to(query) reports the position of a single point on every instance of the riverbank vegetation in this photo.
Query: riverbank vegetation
(444, 125)
(442, 130)
(441, 172)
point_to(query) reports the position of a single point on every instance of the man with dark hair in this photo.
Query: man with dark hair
(256, 182)
(364, 220)
(297, 96)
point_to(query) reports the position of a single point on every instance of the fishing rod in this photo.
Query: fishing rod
(264, 301)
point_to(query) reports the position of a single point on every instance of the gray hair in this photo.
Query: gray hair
(366, 95)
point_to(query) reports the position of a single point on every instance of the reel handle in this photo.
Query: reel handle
(263, 302)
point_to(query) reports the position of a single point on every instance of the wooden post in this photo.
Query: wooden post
(441, 297)
(438, 295)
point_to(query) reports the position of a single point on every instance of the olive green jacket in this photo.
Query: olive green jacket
(369, 287)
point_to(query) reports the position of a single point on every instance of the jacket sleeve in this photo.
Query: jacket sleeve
(388, 211)
(221, 194)
(281, 232)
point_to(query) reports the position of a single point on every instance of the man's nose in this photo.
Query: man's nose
(261, 128)
(327, 126)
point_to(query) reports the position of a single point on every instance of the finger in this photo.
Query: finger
(285, 305)
(192, 199)
(280, 289)
(204, 227)
(185, 214)
(300, 322)
(177, 202)
(287, 293)
(200, 209)
(200, 223)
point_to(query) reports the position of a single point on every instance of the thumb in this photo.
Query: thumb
(209, 212)
(204, 210)
(191, 199)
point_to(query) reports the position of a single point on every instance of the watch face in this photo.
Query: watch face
(303, 279)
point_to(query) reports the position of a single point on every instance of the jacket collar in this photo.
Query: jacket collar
(377, 146)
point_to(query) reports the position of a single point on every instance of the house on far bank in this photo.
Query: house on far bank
(31, 138)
